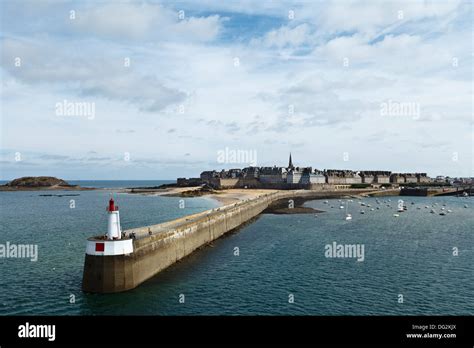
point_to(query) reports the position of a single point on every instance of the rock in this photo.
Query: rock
(37, 181)
(41, 183)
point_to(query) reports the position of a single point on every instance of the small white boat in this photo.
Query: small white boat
(400, 210)
(449, 211)
(362, 212)
(372, 209)
(396, 215)
(348, 216)
(341, 207)
(326, 202)
(465, 205)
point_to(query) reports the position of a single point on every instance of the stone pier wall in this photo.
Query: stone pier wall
(167, 243)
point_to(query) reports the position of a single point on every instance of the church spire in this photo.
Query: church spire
(290, 163)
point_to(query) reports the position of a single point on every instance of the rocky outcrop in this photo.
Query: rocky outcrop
(38, 183)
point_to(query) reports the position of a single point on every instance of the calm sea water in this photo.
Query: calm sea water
(278, 256)
(117, 184)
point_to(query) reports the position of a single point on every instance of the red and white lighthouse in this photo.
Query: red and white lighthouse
(114, 244)
(114, 230)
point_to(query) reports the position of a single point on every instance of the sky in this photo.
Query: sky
(162, 89)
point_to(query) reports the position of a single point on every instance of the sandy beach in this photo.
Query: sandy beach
(224, 197)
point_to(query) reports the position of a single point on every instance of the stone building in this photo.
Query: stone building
(272, 175)
(294, 176)
(375, 176)
(313, 177)
(423, 178)
(206, 176)
(251, 172)
(411, 178)
(397, 178)
(348, 177)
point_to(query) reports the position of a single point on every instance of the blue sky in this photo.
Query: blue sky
(266, 77)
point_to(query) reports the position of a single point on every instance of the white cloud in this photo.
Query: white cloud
(121, 20)
(91, 74)
(144, 22)
(285, 36)
(199, 29)
(369, 17)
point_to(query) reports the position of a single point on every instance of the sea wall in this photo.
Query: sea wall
(408, 191)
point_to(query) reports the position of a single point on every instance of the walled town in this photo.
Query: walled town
(292, 177)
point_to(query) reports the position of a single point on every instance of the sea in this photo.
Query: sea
(419, 263)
